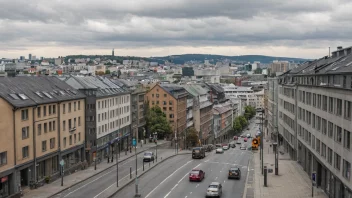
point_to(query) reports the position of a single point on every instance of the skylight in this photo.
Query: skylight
(39, 94)
(62, 93)
(23, 97)
(47, 95)
(14, 96)
(56, 92)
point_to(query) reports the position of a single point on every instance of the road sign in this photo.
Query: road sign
(134, 142)
(62, 162)
(314, 176)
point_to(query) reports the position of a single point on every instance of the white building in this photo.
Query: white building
(246, 94)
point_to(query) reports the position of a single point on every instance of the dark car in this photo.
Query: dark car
(198, 152)
(232, 145)
(196, 175)
(234, 173)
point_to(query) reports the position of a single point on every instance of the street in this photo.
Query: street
(170, 179)
(96, 185)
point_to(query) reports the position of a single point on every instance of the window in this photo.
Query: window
(337, 163)
(319, 101)
(338, 135)
(153, 103)
(165, 95)
(39, 129)
(24, 114)
(329, 155)
(171, 115)
(64, 125)
(50, 110)
(314, 100)
(317, 148)
(69, 124)
(54, 125)
(44, 145)
(339, 107)
(79, 105)
(346, 170)
(323, 150)
(330, 129)
(69, 107)
(164, 103)
(70, 139)
(3, 158)
(157, 102)
(347, 139)
(313, 141)
(38, 112)
(25, 152)
(157, 95)
(313, 120)
(98, 105)
(318, 123)
(74, 106)
(79, 137)
(54, 109)
(170, 108)
(164, 108)
(325, 103)
(75, 138)
(44, 110)
(347, 112)
(52, 143)
(45, 127)
(323, 126)
(63, 108)
(50, 127)
(74, 122)
(25, 133)
(331, 104)
(64, 142)
(79, 121)
(170, 102)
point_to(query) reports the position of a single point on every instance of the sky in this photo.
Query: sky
(286, 28)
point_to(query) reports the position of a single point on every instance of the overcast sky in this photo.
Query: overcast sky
(293, 28)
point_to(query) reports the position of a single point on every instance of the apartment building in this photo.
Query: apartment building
(202, 111)
(279, 66)
(108, 115)
(246, 94)
(172, 99)
(271, 108)
(42, 123)
(315, 119)
(223, 117)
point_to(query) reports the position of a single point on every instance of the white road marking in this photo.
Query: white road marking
(167, 179)
(185, 196)
(224, 181)
(171, 190)
(197, 185)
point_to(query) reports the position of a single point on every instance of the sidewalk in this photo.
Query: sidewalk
(70, 180)
(292, 181)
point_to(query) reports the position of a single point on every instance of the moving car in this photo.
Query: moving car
(248, 135)
(225, 147)
(196, 175)
(148, 156)
(234, 173)
(232, 145)
(238, 141)
(219, 150)
(235, 137)
(243, 147)
(198, 152)
(214, 190)
(245, 139)
(218, 146)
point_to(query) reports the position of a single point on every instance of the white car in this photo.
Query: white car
(219, 150)
(248, 135)
(225, 147)
(243, 147)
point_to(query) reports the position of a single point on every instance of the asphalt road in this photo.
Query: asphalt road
(170, 179)
(94, 186)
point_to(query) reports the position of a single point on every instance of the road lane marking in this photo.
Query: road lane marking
(197, 185)
(167, 179)
(171, 190)
(185, 196)
(224, 181)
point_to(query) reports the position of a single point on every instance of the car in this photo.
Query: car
(218, 146)
(243, 147)
(243, 136)
(232, 145)
(219, 150)
(196, 175)
(234, 173)
(238, 141)
(198, 152)
(235, 137)
(225, 147)
(248, 129)
(248, 135)
(245, 139)
(148, 156)
(214, 190)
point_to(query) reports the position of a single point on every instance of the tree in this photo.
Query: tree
(249, 112)
(107, 71)
(157, 122)
(243, 121)
(192, 137)
(237, 127)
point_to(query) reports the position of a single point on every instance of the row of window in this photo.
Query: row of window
(113, 113)
(288, 106)
(326, 152)
(71, 124)
(75, 105)
(289, 121)
(52, 127)
(44, 144)
(289, 92)
(50, 110)
(157, 95)
(70, 139)
(164, 102)
(111, 102)
(112, 125)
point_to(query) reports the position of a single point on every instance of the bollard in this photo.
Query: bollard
(265, 176)
(130, 172)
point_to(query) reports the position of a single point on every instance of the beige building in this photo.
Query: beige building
(39, 116)
(279, 66)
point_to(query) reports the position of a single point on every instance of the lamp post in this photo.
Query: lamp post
(262, 143)
(156, 145)
(117, 167)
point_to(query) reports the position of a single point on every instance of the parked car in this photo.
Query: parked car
(148, 156)
(225, 147)
(218, 146)
(248, 135)
(219, 150)
(214, 190)
(245, 139)
(243, 147)
(198, 152)
(232, 145)
(196, 175)
(235, 137)
(234, 173)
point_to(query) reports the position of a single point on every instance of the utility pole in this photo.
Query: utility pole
(262, 144)
(134, 143)
(117, 167)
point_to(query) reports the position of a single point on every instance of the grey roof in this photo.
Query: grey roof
(36, 90)
(195, 90)
(103, 86)
(175, 90)
(222, 109)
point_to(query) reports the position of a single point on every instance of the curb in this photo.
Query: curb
(132, 180)
(101, 171)
(246, 185)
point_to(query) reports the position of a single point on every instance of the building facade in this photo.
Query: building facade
(42, 123)
(223, 117)
(315, 119)
(108, 116)
(271, 108)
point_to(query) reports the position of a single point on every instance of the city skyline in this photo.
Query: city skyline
(301, 29)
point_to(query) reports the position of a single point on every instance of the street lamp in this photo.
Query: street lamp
(262, 142)
(156, 147)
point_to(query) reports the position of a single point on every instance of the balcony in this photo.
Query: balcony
(71, 130)
(189, 103)
(189, 115)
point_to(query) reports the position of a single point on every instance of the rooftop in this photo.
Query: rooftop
(175, 90)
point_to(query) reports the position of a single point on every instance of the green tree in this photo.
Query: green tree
(237, 127)
(249, 112)
(243, 121)
(107, 71)
(157, 122)
(192, 137)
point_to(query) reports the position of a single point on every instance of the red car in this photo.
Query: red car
(235, 137)
(196, 175)
(245, 139)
